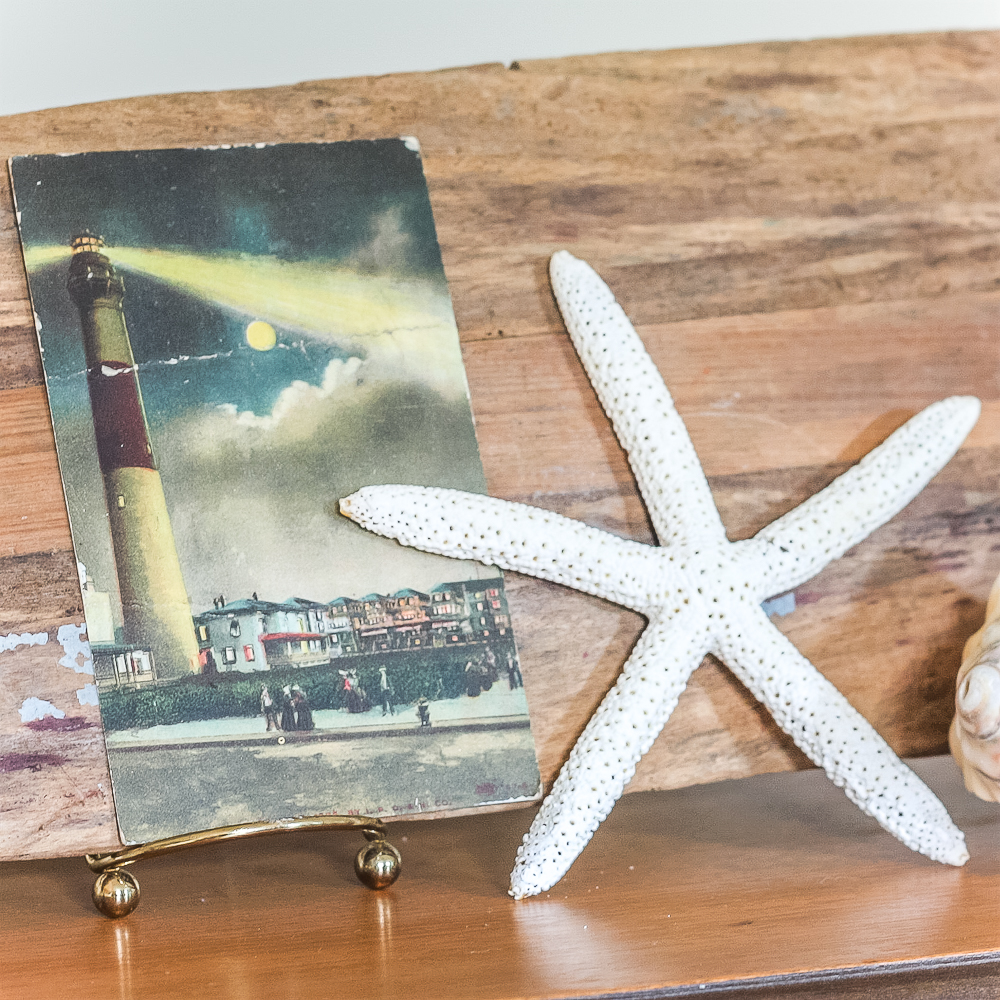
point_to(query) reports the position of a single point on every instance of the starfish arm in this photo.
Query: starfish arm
(798, 545)
(633, 394)
(605, 756)
(517, 537)
(837, 738)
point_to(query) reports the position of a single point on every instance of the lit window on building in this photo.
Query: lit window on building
(203, 633)
(229, 654)
(121, 499)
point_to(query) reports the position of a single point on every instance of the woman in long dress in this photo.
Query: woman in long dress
(354, 694)
(303, 713)
(473, 679)
(287, 710)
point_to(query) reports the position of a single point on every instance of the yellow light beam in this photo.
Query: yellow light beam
(404, 326)
(306, 295)
(36, 257)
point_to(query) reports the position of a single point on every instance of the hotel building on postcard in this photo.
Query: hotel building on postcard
(249, 634)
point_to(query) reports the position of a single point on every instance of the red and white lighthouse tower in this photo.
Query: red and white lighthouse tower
(155, 605)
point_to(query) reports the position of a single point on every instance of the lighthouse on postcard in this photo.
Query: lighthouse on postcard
(155, 606)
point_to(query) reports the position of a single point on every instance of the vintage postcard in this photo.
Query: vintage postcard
(233, 340)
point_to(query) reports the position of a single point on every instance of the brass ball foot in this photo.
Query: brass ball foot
(116, 893)
(378, 864)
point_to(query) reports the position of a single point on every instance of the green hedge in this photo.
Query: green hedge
(412, 673)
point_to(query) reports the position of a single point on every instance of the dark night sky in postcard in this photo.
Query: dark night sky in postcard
(258, 433)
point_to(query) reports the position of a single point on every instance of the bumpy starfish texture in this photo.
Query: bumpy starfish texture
(700, 592)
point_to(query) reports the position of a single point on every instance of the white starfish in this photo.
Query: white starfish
(700, 592)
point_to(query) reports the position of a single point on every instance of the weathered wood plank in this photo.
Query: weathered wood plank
(55, 792)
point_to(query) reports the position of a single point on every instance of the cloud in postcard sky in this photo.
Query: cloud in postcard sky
(261, 493)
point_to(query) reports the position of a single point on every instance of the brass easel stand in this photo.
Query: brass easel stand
(116, 892)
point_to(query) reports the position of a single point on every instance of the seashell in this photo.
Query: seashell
(974, 736)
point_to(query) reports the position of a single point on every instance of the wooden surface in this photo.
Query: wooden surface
(806, 237)
(774, 881)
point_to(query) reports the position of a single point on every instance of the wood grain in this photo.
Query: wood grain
(773, 886)
(806, 235)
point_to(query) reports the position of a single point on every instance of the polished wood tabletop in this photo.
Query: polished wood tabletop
(774, 880)
(806, 236)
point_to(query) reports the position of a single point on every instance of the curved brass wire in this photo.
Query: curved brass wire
(374, 829)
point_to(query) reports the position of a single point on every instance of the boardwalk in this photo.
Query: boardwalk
(423, 771)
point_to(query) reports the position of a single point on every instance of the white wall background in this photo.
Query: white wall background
(58, 52)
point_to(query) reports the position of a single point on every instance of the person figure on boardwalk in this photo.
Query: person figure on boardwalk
(355, 697)
(485, 677)
(268, 709)
(492, 673)
(287, 710)
(473, 679)
(423, 711)
(303, 713)
(386, 692)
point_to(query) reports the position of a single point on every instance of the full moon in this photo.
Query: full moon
(261, 335)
